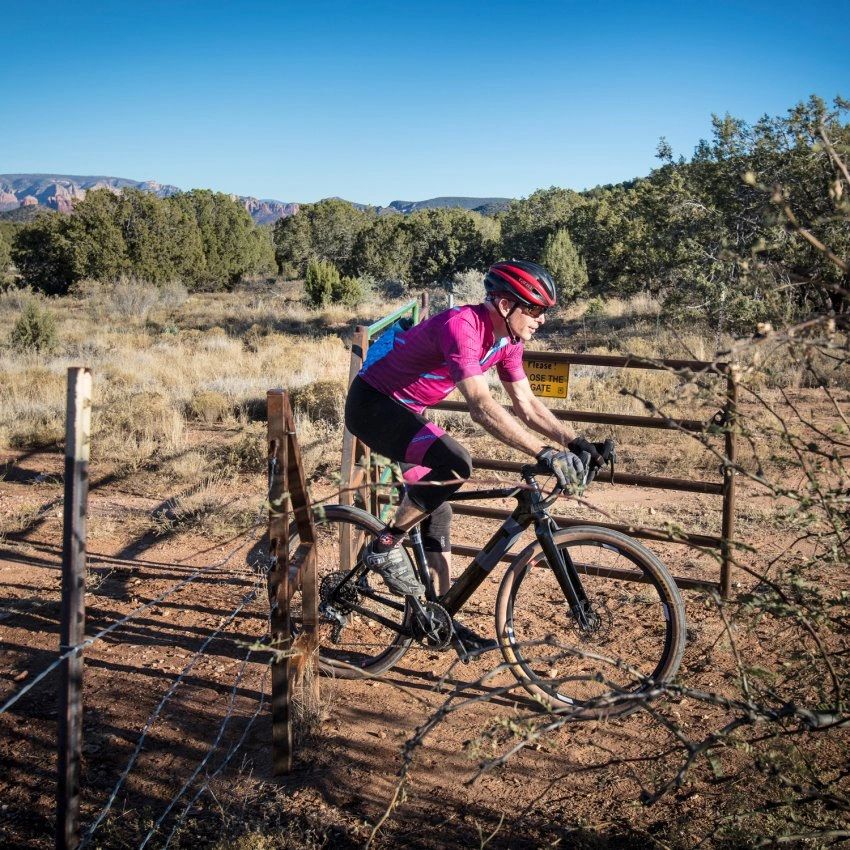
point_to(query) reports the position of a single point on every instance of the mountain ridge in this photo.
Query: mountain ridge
(59, 192)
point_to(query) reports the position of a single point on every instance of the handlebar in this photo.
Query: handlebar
(591, 470)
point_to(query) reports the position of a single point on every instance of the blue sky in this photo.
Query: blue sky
(378, 101)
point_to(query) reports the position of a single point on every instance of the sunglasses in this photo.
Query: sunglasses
(534, 310)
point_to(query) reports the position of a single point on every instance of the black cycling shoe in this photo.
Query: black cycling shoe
(395, 568)
(472, 641)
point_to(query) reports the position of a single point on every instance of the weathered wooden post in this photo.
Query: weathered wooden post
(727, 534)
(353, 452)
(73, 614)
(288, 573)
(281, 698)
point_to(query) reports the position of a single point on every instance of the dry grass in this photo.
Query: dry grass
(150, 378)
(177, 396)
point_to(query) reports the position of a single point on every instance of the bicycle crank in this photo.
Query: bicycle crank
(432, 625)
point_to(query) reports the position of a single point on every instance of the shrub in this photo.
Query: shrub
(468, 286)
(35, 329)
(135, 428)
(595, 307)
(132, 298)
(322, 279)
(391, 289)
(320, 400)
(248, 453)
(350, 292)
(209, 406)
(173, 295)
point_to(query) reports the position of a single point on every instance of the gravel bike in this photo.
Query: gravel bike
(569, 601)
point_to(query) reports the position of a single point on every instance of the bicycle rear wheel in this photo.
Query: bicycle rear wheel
(639, 631)
(362, 645)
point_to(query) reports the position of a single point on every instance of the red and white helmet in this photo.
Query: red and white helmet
(528, 283)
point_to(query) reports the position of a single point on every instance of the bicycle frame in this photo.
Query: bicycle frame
(531, 509)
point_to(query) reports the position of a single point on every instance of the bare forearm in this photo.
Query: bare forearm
(494, 419)
(541, 419)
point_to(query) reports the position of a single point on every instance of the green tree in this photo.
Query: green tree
(229, 246)
(445, 241)
(95, 231)
(528, 222)
(185, 242)
(321, 281)
(562, 260)
(384, 250)
(44, 254)
(326, 230)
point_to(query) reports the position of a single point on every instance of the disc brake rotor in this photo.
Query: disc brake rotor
(601, 622)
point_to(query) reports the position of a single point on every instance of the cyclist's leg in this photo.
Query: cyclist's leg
(436, 540)
(407, 437)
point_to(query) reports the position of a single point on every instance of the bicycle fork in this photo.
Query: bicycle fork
(567, 575)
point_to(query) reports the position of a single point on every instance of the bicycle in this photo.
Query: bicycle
(569, 600)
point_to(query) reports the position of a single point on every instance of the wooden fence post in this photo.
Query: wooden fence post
(353, 451)
(281, 698)
(727, 534)
(288, 491)
(73, 615)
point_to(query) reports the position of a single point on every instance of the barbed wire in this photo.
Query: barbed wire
(233, 750)
(198, 654)
(231, 705)
(120, 622)
(225, 761)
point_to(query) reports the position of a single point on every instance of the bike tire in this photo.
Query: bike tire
(365, 647)
(642, 624)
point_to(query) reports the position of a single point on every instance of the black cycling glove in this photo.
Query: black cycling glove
(565, 466)
(579, 445)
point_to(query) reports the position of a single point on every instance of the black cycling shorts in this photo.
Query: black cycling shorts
(395, 431)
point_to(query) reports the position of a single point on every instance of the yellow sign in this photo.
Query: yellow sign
(547, 378)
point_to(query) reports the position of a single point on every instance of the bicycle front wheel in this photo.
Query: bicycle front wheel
(637, 632)
(353, 643)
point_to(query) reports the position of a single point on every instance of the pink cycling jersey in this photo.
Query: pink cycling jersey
(421, 366)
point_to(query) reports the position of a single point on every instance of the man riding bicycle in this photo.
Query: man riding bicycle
(410, 370)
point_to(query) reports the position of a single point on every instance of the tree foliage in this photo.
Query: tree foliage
(5, 253)
(205, 239)
(711, 236)
(419, 249)
(529, 222)
(44, 254)
(562, 260)
(326, 231)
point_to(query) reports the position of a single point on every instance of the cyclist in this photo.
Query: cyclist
(409, 370)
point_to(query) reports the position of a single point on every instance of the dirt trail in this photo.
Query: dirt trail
(348, 767)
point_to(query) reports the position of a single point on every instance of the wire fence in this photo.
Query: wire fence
(250, 652)
(250, 657)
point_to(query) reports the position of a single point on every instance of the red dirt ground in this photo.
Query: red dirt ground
(579, 787)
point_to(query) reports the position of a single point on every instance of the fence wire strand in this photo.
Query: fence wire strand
(120, 622)
(231, 706)
(199, 653)
(225, 761)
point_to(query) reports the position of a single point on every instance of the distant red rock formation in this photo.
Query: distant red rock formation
(59, 192)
